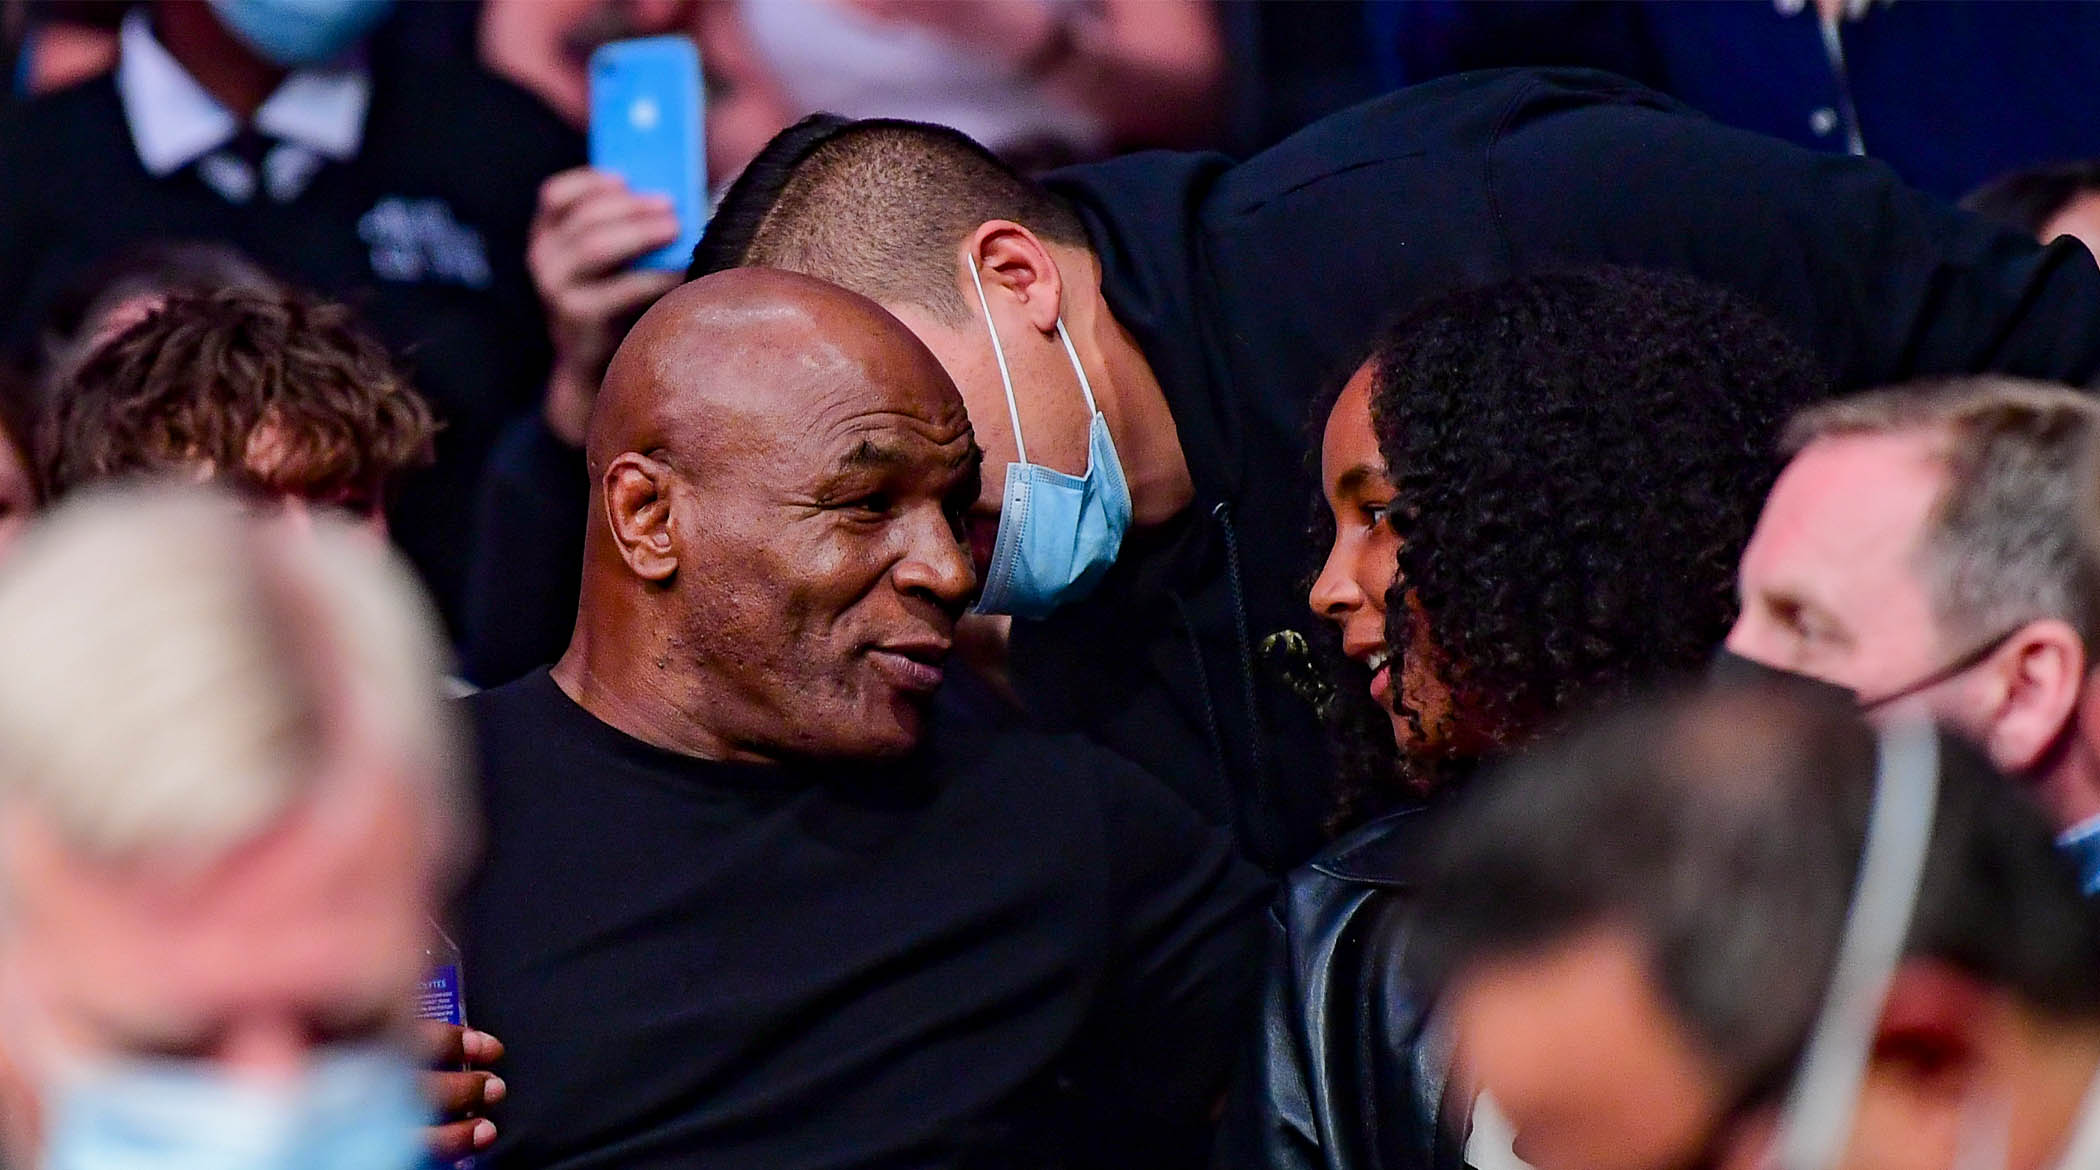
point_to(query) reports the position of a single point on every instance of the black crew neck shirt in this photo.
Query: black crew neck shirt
(1004, 951)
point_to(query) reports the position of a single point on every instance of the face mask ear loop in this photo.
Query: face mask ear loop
(2082, 1150)
(1983, 1137)
(1817, 1119)
(1013, 411)
(1085, 387)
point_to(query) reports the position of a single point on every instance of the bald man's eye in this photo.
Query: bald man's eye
(874, 505)
(957, 508)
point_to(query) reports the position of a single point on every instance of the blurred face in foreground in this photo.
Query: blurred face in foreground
(306, 939)
(1581, 1051)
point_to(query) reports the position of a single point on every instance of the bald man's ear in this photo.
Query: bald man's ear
(638, 511)
(2044, 675)
(1011, 260)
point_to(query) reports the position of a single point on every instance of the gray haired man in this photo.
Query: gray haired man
(1932, 547)
(230, 798)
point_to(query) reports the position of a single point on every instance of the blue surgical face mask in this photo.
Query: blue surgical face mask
(1058, 533)
(354, 1108)
(293, 33)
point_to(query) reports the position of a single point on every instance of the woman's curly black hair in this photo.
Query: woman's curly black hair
(1579, 459)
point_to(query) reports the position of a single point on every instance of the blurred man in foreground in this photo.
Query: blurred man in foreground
(217, 867)
(745, 905)
(1934, 546)
(1791, 941)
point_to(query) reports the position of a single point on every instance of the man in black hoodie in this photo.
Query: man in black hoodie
(1208, 303)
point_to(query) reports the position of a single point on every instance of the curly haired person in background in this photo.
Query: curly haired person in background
(1538, 492)
(275, 394)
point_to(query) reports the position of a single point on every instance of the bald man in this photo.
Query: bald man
(743, 906)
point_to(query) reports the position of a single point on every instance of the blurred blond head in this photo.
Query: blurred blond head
(175, 674)
(230, 794)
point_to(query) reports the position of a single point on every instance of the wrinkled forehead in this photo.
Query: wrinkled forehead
(1847, 497)
(815, 406)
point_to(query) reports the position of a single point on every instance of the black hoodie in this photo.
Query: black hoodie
(1253, 287)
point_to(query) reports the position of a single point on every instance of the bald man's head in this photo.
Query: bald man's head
(747, 339)
(779, 470)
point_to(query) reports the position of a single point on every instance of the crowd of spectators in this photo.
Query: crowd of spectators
(1402, 584)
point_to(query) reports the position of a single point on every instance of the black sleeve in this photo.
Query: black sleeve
(1268, 1122)
(1182, 977)
(527, 566)
(1887, 283)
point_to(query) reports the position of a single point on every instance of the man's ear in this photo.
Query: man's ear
(2043, 673)
(638, 511)
(1011, 259)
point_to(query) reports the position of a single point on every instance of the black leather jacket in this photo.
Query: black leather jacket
(1346, 1075)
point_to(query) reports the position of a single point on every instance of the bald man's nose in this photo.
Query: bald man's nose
(938, 563)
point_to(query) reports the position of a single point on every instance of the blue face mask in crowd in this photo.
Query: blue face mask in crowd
(294, 33)
(1058, 533)
(355, 1108)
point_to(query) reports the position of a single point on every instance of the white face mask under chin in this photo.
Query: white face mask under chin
(1816, 1120)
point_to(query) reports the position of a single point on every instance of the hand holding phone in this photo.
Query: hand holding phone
(647, 117)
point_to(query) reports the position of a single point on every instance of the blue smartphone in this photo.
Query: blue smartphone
(648, 112)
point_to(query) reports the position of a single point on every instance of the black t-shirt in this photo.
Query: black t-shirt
(1005, 951)
(423, 231)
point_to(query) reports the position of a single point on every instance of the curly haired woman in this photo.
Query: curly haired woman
(1538, 493)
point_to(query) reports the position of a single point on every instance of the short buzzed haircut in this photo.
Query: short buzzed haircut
(877, 206)
(2009, 540)
(1726, 831)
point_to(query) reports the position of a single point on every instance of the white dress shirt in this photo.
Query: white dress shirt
(315, 115)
